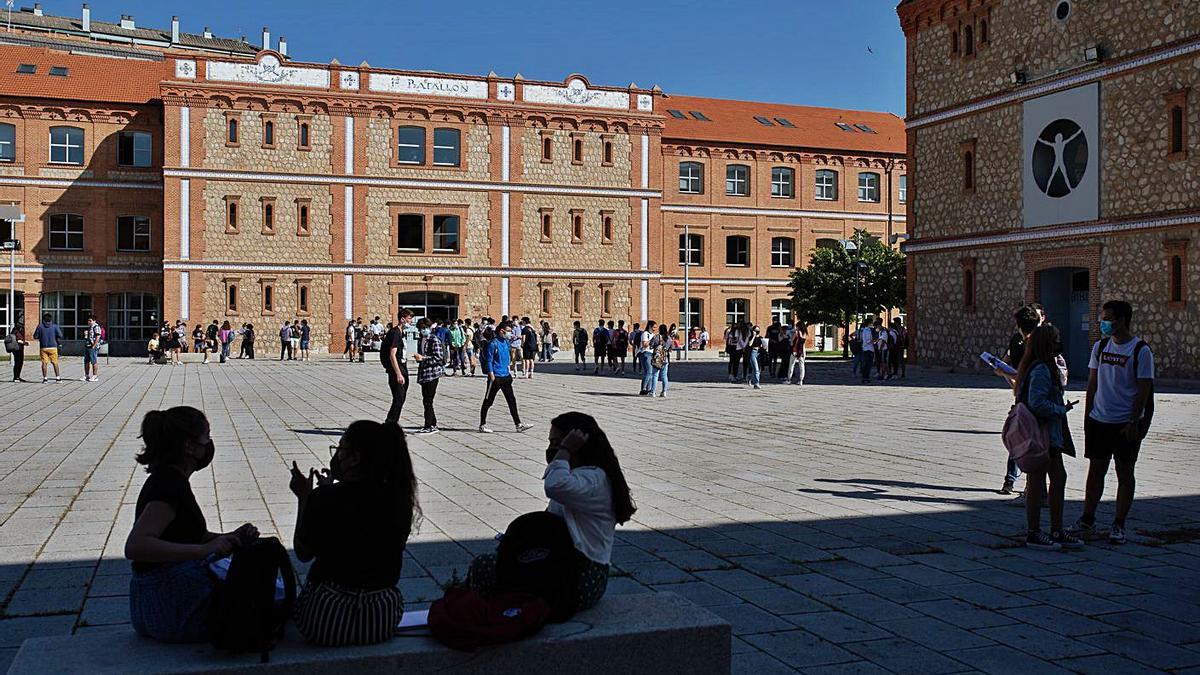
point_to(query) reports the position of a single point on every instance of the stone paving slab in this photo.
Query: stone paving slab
(838, 528)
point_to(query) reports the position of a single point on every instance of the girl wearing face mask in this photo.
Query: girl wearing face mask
(354, 526)
(171, 588)
(431, 365)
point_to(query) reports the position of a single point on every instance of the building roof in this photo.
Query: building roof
(88, 78)
(104, 31)
(780, 125)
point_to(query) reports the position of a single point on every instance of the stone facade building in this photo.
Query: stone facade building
(278, 189)
(1054, 159)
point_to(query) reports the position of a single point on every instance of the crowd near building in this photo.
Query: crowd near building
(161, 175)
(1054, 159)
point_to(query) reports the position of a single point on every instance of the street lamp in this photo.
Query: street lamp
(12, 246)
(851, 245)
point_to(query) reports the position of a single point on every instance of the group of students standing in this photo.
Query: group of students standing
(354, 521)
(1118, 408)
(781, 353)
(881, 349)
(169, 343)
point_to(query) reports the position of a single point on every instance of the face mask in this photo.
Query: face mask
(335, 468)
(209, 451)
(1106, 328)
(425, 332)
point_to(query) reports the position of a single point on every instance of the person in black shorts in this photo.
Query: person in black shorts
(579, 338)
(529, 346)
(599, 345)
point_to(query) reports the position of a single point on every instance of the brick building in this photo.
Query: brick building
(1053, 159)
(268, 189)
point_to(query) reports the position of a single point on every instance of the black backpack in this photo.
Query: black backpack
(244, 616)
(537, 556)
(1148, 411)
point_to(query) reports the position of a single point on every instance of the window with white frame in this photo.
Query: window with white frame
(781, 311)
(66, 232)
(133, 148)
(737, 180)
(66, 145)
(691, 249)
(783, 252)
(783, 182)
(446, 146)
(868, 186)
(133, 233)
(737, 251)
(737, 310)
(903, 195)
(691, 178)
(410, 145)
(8, 143)
(689, 312)
(826, 184)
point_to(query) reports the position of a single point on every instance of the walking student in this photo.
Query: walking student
(394, 357)
(579, 339)
(1119, 406)
(431, 365)
(660, 360)
(225, 336)
(620, 347)
(498, 359)
(798, 353)
(15, 344)
(754, 350)
(48, 335)
(354, 527)
(1027, 321)
(1040, 388)
(646, 357)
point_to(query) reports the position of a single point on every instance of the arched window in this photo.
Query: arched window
(302, 294)
(691, 249)
(268, 298)
(66, 145)
(70, 310)
(66, 232)
(447, 147)
(737, 251)
(783, 252)
(231, 300)
(577, 151)
(231, 133)
(826, 185)
(268, 133)
(868, 186)
(968, 171)
(691, 178)
(608, 153)
(576, 227)
(302, 219)
(606, 301)
(304, 135)
(1176, 132)
(268, 214)
(231, 221)
(410, 145)
(546, 226)
(737, 310)
(983, 31)
(547, 148)
(968, 40)
(607, 230)
(969, 287)
(546, 301)
(954, 41)
(737, 180)
(8, 143)
(783, 182)
(1176, 278)
(576, 303)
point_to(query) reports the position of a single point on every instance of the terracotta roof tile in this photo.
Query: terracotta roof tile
(812, 128)
(89, 78)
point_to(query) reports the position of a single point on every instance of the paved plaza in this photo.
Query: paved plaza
(838, 528)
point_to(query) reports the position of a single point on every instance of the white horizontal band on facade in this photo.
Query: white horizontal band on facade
(1074, 232)
(782, 213)
(370, 181)
(1058, 84)
(34, 181)
(411, 271)
(725, 282)
(71, 269)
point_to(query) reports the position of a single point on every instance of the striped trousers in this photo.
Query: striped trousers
(333, 616)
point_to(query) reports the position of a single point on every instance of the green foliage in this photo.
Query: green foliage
(826, 291)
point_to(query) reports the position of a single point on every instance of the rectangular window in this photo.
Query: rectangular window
(737, 251)
(1177, 115)
(781, 311)
(302, 210)
(268, 215)
(66, 232)
(231, 299)
(446, 145)
(783, 252)
(689, 312)
(133, 233)
(410, 232)
(303, 142)
(302, 296)
(868, 187)
(844, 127)
(231, 215)
(445, 234)
(59, 71)
(691, 249)
(268, 133)
(133, 148)
(763, 121)
(903, 196)
(410, 145)
(26, 69)
(268, 295)
(677, 114)
(865, 128)
(826, 185)
(785, 122)
(737, 180)
(783, 181)
(737, 310)
(696, 114)
(8, 143)
(691, 178)
(66, 145)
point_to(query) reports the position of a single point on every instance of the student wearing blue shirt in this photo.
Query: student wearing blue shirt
(497, 359)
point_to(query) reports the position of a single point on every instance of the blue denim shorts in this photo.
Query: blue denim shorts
(170, 603)
(90, 355)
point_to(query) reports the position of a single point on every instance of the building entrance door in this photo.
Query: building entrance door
(430, 304)
(1065, 292)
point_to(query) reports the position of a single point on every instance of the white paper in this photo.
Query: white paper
(417, 619)
(994, 362)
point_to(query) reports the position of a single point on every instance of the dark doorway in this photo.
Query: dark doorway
(430, 304)
(1065, 292)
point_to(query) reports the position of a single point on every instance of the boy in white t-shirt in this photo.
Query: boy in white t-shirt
(1120, 385)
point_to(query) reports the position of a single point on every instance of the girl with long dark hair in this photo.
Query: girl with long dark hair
(587, 489)
(1039, 387)
(171, 588)
(354, 527)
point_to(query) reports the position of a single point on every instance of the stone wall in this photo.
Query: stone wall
(563, 253)
(473, 233)
(250, 244)
(267, 324)
(562, 171)
(380, 293)
(475, 154)
(1023, 34)
(591, 302)
(250, 155)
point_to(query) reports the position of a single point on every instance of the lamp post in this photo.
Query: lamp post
(851, 245)
(687, 298)
(12, 245)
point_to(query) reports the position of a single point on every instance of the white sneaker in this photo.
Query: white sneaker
(85, 378)
(523, 427)
(663, 395)
(45, 380)
(57, 378)
(94, 378)
(484, 429)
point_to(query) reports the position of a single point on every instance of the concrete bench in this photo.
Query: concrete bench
(658, 633)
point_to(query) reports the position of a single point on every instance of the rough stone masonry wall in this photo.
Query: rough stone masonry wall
(380, 151)
(473, 298)
(249, 155)
(1132, 267)
(267, 324)
(473, 233)
(563, 253)
(1024, 35)
(561, 171)
(250, 244)
(591, 303)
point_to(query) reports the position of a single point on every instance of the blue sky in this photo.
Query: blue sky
(811, 52)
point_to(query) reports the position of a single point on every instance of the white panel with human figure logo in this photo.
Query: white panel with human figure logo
(1061, 166)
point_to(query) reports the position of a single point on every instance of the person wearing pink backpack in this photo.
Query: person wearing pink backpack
(1041, 390)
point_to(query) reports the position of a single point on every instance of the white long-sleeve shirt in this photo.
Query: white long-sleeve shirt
(583, 498)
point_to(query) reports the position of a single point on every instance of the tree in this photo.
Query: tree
(827, 290)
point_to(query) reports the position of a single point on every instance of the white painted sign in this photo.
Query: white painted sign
(185, 69)
(506, 91)
(645, 102)
(427, 86)
(1061, 177)
(268, 71)
(348, 80)
(576, 93)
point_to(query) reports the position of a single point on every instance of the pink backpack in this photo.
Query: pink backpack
(1026, 438)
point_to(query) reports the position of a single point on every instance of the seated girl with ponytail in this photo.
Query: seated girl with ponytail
(354, 526)
(171, 588)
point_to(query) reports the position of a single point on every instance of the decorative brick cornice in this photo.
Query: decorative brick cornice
(793, 155)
